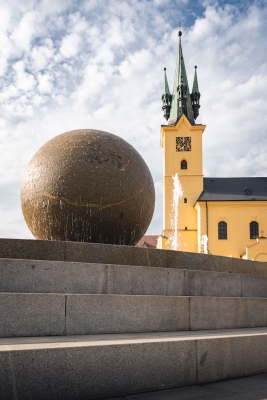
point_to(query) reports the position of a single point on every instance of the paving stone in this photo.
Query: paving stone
(82, 372)
(254, 286)
(203, 283)
(32, 314)
(93, 314)
(232, 357)
(227, 312)
(32, 249)
(146, 280)
(37, 276)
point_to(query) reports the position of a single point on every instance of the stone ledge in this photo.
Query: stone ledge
(36, 276)
(73, 314)
(125, 255)
(32, 314)
(90, 314)
(116, 365)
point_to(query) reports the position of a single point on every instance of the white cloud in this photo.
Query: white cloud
(45, 85)
(5, 16)
(42, 55)
(70, 45)
(9, 92)
(23, 34)
(24, 80)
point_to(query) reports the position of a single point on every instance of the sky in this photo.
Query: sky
(99, 64)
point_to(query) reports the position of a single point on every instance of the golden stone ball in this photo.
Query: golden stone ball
(88, 186)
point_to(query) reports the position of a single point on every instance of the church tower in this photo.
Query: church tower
(181, 141)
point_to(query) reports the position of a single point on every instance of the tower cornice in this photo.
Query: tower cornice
(177, 127)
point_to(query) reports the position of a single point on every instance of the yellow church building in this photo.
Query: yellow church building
(221, 216)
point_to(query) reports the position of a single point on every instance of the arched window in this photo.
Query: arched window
(183, 164)
(254, 230)
(222, 230)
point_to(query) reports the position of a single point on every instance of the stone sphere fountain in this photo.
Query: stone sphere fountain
(88, 186)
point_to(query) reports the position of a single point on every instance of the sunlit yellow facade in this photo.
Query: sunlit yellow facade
(198, 218)
(238, 216)
(191, 180)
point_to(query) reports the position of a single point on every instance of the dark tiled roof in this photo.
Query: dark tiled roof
(234, 189)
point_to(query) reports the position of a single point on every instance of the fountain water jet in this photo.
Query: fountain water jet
(177, 193)
(204, 241)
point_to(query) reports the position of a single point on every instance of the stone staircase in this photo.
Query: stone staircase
(87, 321)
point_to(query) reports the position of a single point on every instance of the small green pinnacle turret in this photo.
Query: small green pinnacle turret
(195, 96)
(181, 101)
(166, 97)
(195, 83)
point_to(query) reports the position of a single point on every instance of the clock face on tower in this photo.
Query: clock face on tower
(183, 143)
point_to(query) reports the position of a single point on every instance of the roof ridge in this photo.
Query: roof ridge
(235, 177)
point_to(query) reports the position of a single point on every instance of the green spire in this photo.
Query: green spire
(166, 97)
(181, 99)
(195, 83)
(166, 89)
(195, 96)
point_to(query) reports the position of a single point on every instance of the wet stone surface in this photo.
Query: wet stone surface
(88, 186)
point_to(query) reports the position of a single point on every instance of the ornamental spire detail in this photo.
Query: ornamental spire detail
(166, 97)
(181, 101)
(195, 96)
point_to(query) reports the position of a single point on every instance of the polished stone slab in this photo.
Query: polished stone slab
(125, 255)
(254, 286)
(46, 276)
(227, 312)
(209, 283)
(227, 358)
(83, 278)
(37, 314)
(102, 366)
(32, 249)
(91, 314)
(88, 372)
(57, 314)
(32, 314)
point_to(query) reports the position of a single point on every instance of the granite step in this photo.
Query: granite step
(125, 255)
(36, 276)
(101, 366)
(37, 314)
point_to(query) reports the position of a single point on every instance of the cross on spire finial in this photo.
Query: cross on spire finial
(179, 32)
